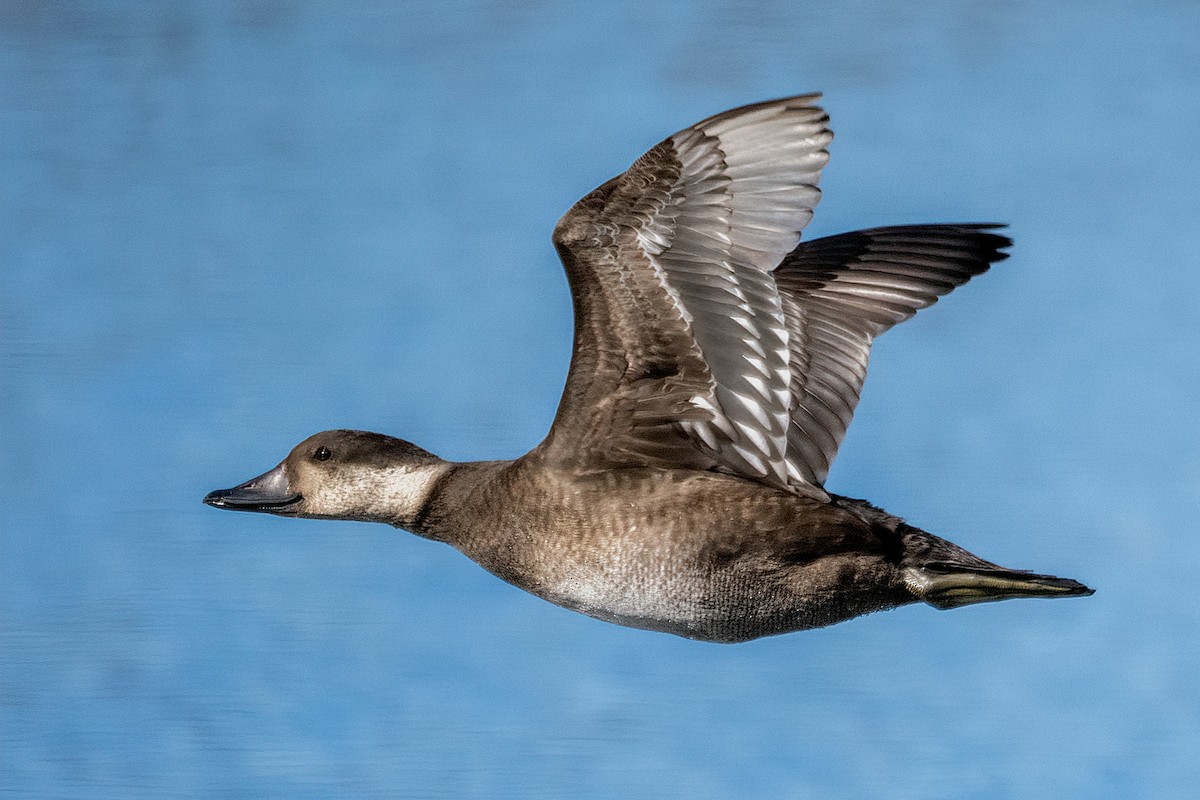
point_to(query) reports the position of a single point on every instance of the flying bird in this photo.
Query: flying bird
(717, 362)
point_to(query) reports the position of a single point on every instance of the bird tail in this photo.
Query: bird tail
(948, 586)
(946, 576)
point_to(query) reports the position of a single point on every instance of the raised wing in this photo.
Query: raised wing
(839, 293)
(706, 335)
(682, 351)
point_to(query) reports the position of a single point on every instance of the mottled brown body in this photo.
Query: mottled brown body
(698, 554)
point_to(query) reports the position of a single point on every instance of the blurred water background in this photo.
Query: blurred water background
(224, 226)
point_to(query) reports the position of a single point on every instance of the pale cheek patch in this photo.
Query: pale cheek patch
(344, 494)
(408, 489)
(380, 495)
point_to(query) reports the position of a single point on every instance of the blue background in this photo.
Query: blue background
(224, 226)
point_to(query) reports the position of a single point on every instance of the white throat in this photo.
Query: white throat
(404, 490)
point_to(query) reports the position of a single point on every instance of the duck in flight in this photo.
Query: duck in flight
(717, 362)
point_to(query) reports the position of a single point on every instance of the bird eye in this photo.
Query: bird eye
(322, 454)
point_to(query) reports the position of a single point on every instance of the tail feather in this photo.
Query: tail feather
(945, 575)
(947, 585)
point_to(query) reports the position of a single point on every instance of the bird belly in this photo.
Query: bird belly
(633, 600)
(674, 592)
(731, 602)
